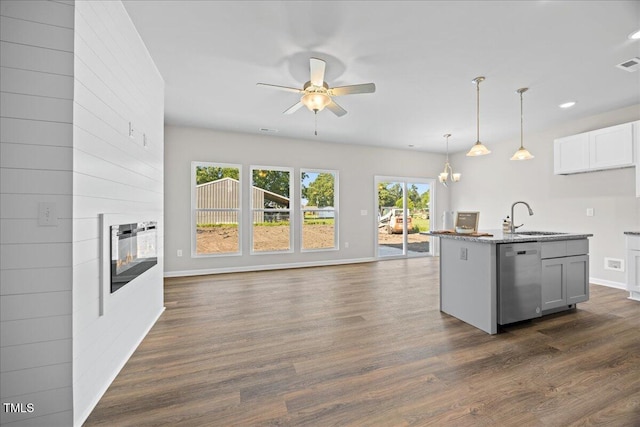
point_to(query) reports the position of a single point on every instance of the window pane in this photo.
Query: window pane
(271, 209)
(271, 231)
(217, 238)
(318, 229)
(270, 189)
(318, 195)
(217, 209)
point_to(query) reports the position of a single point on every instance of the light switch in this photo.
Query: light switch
(589, 211)
(47, 214)
(463, 254)
(363, 212)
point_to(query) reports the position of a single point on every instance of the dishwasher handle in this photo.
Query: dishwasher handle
(518, 253)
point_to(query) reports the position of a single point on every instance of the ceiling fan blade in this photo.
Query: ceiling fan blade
(295, 107)
(285, 88)
(348, 90)
(336, 109)
(317, 66)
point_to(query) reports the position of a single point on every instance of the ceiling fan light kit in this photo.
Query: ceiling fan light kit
(316, 94)
(478, 148)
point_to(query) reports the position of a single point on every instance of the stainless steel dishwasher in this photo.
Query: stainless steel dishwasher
(519, 283)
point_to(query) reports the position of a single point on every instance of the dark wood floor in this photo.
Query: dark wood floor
(366, 345)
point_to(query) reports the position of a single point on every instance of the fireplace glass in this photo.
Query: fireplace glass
(133, 251)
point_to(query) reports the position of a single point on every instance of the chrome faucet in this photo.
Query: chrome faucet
(513, 226)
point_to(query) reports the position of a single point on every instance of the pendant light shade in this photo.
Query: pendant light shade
(522, 153)
(444, 175)
(478, 148)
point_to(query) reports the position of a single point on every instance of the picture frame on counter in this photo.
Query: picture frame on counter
(467, 221)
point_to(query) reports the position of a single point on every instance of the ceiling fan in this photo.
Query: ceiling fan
(316, 93)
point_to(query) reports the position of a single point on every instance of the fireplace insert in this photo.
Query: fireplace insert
(133, 251)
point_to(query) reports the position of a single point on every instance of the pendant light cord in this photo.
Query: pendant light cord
(521, 122)
(478, 111)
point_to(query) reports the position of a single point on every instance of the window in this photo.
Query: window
(318, 204)
(271, 209)
(216, 208)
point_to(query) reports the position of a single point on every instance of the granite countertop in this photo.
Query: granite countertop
(498, 236)
(632, 233)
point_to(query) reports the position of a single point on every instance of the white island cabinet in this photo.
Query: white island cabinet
(495, 278)
(633, 264)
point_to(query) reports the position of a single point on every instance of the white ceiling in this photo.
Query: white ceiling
(422, 57)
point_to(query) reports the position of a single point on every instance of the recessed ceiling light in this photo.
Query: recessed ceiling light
(567, 104)
(635, 35)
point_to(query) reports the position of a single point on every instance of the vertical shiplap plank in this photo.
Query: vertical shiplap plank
(116, 83)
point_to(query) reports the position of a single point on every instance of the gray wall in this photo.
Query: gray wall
(492, 183)
(73, 76)
(357, 166)
(36, 129)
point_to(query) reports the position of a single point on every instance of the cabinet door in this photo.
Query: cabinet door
(577, 278)
(633, 270)
(636, 142)
(553, 283)
(571, 154)
(611, 147)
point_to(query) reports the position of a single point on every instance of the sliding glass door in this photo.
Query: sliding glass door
(404, 217)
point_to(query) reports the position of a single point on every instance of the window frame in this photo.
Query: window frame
(336, 198)
(253, 210)
(195, 209)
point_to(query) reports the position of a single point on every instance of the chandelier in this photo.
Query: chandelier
(448, 171)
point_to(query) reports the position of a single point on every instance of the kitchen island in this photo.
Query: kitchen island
(501, 278)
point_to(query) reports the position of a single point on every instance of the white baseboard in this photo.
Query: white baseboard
(608, 283)
(241, 269)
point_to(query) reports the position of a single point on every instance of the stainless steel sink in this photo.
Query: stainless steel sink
(542, 233)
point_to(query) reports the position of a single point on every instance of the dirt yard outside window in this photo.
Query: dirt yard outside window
(224, 239)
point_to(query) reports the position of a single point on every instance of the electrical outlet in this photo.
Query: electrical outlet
(363, 212)
(589, 211)
(463, 254)
(346, 245)
(614, 264)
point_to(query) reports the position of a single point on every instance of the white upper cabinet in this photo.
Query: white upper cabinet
(600, 149)
(571, 154)
(611, 147)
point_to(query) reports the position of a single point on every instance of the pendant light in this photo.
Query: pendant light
(522, 153)
(455, 177)
(478, 148)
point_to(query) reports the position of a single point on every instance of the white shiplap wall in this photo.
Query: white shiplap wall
(116, 82)
(73, 76)
(36, 81)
